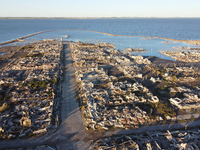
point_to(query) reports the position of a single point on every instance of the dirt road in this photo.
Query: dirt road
(71, 129)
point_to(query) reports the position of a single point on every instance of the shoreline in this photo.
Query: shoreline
(24, 37)
(194, 42)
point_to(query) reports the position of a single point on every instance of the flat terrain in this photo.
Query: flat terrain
(71, 129)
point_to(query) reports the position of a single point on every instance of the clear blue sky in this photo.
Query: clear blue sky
(99, 8)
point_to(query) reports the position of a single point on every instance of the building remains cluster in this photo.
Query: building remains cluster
(30, 89)
(121, 91)
(110, 87)
(178, 139)
(115, 90)
(106, 101)
(183, 55)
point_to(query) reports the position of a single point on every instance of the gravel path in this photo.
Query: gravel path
(71, 129)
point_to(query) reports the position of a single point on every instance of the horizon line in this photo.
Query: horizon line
(89, 17)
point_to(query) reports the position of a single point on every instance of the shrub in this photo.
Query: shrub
(174, 78)
(26, 47)
(128, 92)
(158, 109)
(50, 93)
(163, 109)
(55, 80)
(36, 84)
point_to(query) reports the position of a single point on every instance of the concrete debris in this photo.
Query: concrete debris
(183, 55)
(112, 91)
(97, 72)
(29, 84)
(154, 140)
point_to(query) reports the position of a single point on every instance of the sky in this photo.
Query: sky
(99, 8)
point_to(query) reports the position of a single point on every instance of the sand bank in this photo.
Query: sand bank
(22, 38)
(194, 42)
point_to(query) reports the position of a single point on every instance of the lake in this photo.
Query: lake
(176, 28)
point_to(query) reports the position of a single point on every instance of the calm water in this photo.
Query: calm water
(152, 45)
(185, 29)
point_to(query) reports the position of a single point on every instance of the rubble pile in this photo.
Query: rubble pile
(29, 88)
(189, 100)
(185, 56)
(176, 76)
(118, 90)
(109, 88)
(183, 140)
